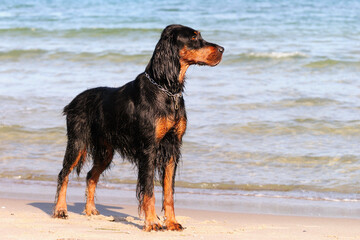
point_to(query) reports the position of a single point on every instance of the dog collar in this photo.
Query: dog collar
(176, 96)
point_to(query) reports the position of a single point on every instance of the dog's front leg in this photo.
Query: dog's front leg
(146, 195)
(168, 187)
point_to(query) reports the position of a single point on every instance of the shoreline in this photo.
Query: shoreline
(213, 200)
(25, 213)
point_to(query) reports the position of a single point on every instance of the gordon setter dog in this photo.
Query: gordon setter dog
(144, 121)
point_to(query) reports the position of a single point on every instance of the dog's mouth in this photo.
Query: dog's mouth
(211, 64)
(215, 57)
(213, 61)
(208, 56)
(217, 62)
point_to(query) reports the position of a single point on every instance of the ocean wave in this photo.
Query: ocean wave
(351, 128)
(20, 133)
(330, 63)
(252, 56)
(17, 54)
(306, 101)
(261, 189)
(307, 161)
(33, 175)
(277, 55)
(76, 33)
(253, 189)
(286, 103)
(111, 56)
(6, 14)
(299, 192)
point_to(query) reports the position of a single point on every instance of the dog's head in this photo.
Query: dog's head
(178, 48)
(193, 49)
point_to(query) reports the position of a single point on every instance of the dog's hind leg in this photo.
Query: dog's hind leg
(102, 159)
(74, 153)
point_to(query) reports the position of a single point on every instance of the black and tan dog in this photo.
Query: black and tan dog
(144, 121)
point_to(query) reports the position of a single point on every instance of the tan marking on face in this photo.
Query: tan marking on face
(208, 55)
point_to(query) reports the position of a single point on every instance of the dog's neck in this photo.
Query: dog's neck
(183, 68)
(172, 80)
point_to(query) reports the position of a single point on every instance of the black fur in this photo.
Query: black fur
(103, 120)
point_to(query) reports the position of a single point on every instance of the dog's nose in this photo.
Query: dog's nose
(221, 49)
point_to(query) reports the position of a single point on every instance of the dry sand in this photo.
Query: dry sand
(24, 219)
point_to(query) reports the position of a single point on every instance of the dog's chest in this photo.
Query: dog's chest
(165, 124)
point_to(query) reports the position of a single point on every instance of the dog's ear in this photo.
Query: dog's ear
(165, 62)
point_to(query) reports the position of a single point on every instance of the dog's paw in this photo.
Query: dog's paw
(173, 226)
(91, 211)
(60, 213)
(153, 226)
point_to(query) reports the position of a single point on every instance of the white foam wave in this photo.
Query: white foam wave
(277, 55)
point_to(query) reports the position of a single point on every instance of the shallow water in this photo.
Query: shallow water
(278, 117)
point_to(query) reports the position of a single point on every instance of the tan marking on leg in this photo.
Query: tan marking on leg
(170, 221)
(60, 210)
(90, 208)
(151, 220)
(61, 206)
(81, 154)
(96, 171)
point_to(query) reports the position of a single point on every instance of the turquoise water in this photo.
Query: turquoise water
(279, 117)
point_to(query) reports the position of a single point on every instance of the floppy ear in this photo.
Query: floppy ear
(165, 62)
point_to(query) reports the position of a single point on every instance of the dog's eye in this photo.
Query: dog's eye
(194, 37)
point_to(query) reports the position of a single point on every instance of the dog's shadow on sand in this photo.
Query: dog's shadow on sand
(78, 208)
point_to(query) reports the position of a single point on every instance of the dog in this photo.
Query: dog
(144, 121)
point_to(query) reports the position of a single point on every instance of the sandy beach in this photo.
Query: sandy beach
(28, 219)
